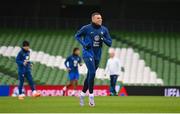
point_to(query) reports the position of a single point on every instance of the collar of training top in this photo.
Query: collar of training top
(74, 54)
(24, 50)
(95, 25)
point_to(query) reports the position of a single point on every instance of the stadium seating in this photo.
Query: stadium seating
(145, 56)
(44, 70)
(159, 50)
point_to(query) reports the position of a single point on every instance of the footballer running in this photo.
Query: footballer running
(91, 37)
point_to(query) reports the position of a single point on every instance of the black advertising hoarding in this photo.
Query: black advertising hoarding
(153, 91)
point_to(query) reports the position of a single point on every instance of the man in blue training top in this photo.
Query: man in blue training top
(24, 70)
(92, 37)
(71, 64)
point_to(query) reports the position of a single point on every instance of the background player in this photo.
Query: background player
(71, 64)
(24, 70)
(113, 69)
(91, 37)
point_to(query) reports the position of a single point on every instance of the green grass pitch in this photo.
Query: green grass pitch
(103, 104)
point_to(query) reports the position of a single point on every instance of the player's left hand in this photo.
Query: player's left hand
(25, 62)
(68, 69)
(101, 37)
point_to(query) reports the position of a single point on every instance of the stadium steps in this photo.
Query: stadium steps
(167, 45)
(159, 50)
(7, 80)
(41, 74)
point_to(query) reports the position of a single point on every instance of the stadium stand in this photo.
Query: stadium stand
(147, 57)
(159, 50)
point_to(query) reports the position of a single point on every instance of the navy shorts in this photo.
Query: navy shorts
(73, 76)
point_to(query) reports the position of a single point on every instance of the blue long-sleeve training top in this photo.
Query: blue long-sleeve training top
(21, 57)
(92, 38)
(72, 62)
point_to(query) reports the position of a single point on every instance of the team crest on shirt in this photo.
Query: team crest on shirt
(97, 38)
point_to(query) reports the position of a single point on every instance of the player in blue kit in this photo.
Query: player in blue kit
(92, 37)
(24, 70)
(71, 64)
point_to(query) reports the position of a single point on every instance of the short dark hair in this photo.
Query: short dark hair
(25, 43)
(95, 13)
(75, 49)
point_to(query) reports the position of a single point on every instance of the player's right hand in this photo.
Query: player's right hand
(88, 46)
(25, 62)
(31, 65)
